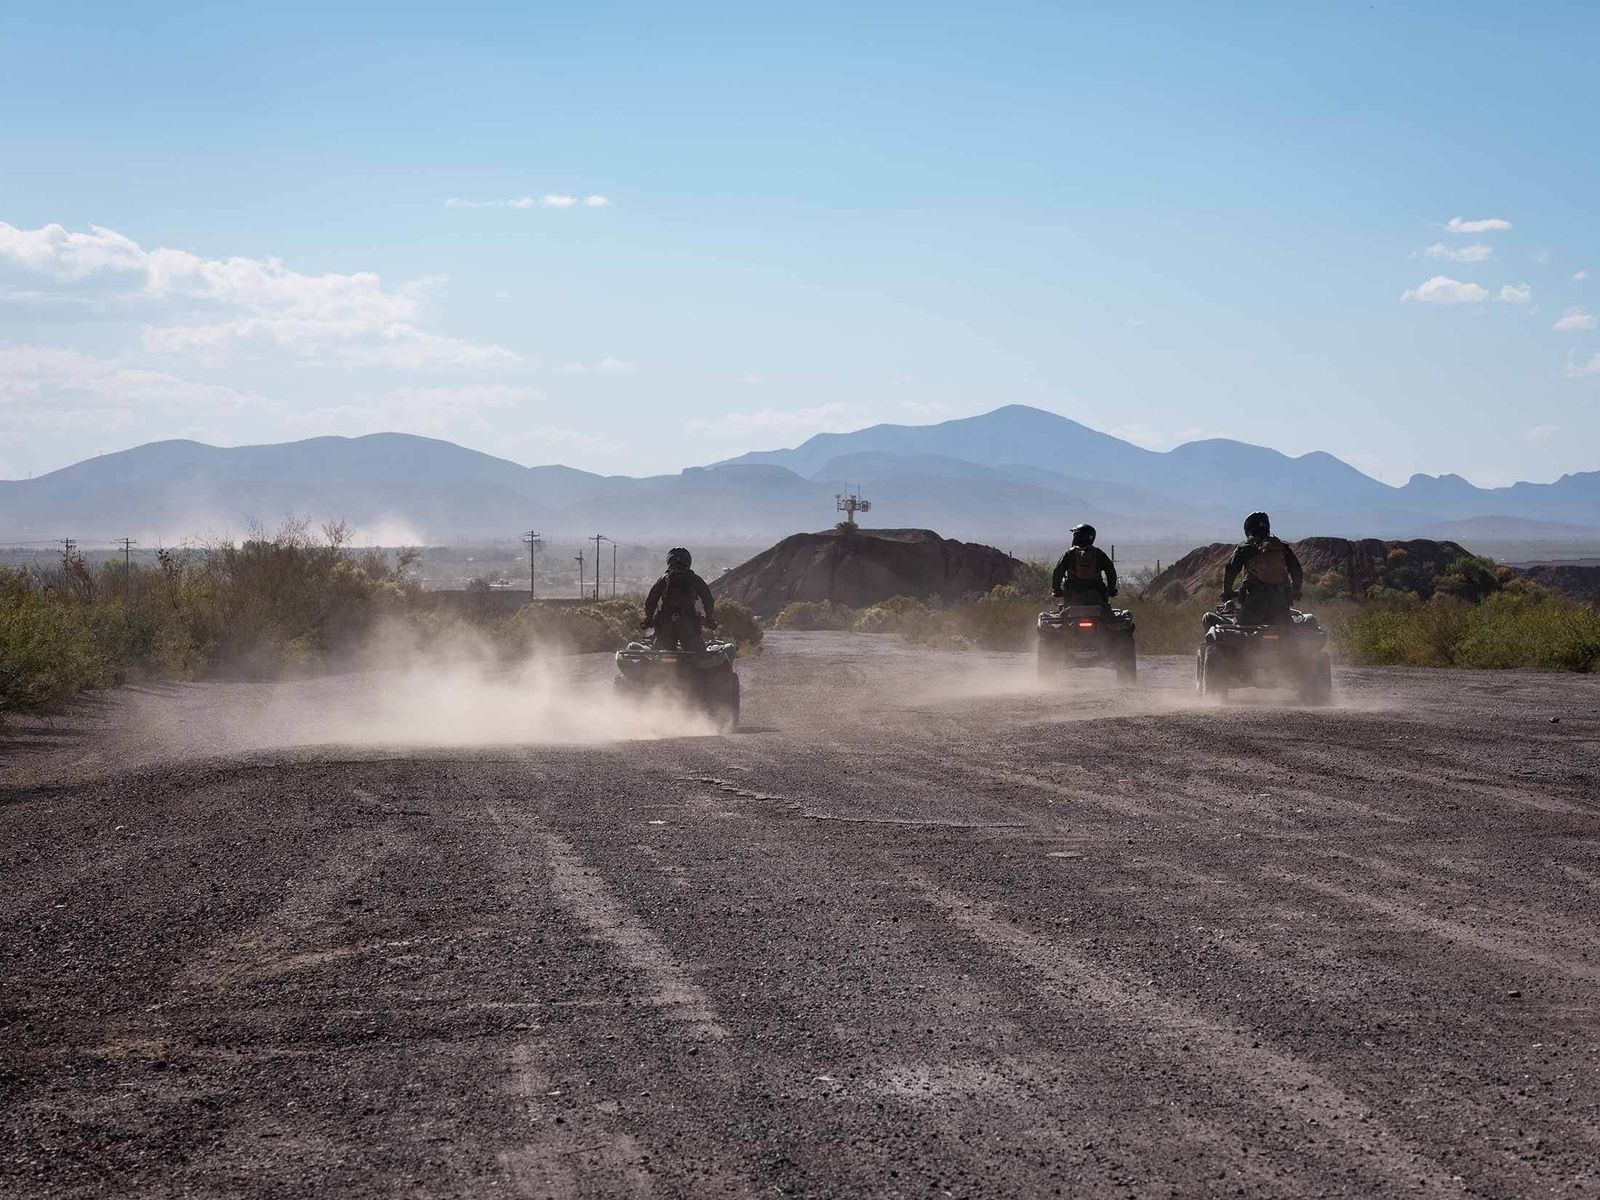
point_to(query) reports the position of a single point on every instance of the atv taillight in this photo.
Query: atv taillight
(1085, 624)
(1269, 637)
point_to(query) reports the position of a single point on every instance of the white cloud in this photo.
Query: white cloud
(1580, 276)
(352, 319)
(824, 418)
(1134, 322)
(546, 201)
(1541, 256)
(1574, 320)
(1516, 293)
(751, 378)
(1484, 225)
(1538, 433)
(1576, 369)
(59, 378)
(1476, 252)
(1441, 289)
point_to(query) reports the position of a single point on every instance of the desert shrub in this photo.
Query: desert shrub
(1033, 578)
(559, 629)
(1520, 628)
(897, 614)
(814, 615)
(738, 623)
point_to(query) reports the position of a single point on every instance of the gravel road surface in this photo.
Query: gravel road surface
(919, 929)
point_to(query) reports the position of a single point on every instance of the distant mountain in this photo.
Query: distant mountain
(1208, 480)
(1013, 475)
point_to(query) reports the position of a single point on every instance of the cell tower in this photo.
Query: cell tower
(850, 505)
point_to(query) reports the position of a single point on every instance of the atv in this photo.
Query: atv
(1293, 653)
(703, 678)
(1085, 635)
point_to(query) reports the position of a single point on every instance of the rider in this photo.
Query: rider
(1272, 574)
(670, 607)
(1085, 574)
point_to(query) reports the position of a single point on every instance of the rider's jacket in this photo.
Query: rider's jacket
(1266, 561)
(1081, 569)
(673, 596)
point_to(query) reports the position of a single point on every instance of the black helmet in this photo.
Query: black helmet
(1083, 535)
(1257, 524)
(679, 559)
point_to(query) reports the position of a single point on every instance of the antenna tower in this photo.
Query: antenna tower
(850, 505)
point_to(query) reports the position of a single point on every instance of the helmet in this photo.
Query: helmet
(1257, 524)
(1083, 535)
(679, 559)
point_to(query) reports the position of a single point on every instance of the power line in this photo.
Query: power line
(535, 542)
(597, 539)
(127, 568)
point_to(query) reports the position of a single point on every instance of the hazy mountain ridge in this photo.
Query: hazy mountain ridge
(1013, 473)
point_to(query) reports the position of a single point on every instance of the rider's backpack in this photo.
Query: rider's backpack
(1270, 564)
(677, 600)
(1085, 565)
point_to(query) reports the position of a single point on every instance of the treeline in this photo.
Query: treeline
(292, 602)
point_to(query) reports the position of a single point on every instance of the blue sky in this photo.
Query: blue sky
(743, 224)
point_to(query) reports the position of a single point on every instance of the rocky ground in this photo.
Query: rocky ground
(918, 930)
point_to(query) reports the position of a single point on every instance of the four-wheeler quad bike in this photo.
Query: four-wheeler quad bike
(1086, 635)
(703, 679)
(1292, 653)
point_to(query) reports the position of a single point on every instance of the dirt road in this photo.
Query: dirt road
(918, 930)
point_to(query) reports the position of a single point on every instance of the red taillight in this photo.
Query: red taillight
(1269, 637)
(1085, 624)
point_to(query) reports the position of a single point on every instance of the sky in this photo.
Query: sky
(637, 237)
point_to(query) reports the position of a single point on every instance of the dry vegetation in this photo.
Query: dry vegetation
(290, 602)
(1477, 616)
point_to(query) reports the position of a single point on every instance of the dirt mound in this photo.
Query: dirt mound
(1580, 581)
(862, 567)
(1332, 564)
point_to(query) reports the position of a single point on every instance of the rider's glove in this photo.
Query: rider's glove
(1111, 591)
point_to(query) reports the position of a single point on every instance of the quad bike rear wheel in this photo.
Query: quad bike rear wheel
(1208, 672)
(1048, 658)
(1127, 663)
(1318, 685)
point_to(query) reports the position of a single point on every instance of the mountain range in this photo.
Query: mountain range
(1013, 473)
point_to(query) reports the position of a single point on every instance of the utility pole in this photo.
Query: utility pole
(597, 539)
(127, 545)
(535, 543)
(613, 570)
(68, 547)
(581, 584)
